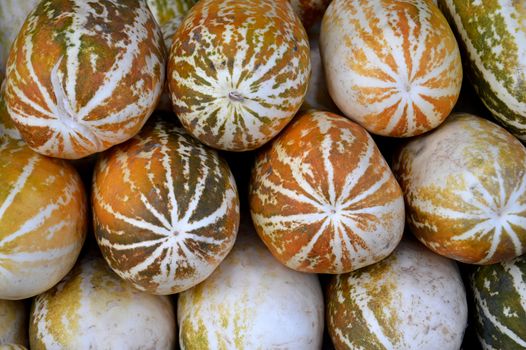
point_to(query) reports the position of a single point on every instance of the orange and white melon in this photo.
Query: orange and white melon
(323, 198)
(465, 189)
(43, 220)
(92, 308)
(393, 66)
(13, 323)
(13, 13)
(238, 71)
(7, 127)
(252, 302)
(99, 80)
(166, 209)
(414, 299)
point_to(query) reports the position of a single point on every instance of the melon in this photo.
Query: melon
(414, 299)
(169, 14)
(92, 308)
(492, 35)
(13, 323)
(99, 80)
(43, 220)
(7, 127)
(13, 13)
(393, 66)
(323, 198)
(238, 71)
(252, 302)
(12, 347)
(499, 292)
(166, 209)
(465, 189)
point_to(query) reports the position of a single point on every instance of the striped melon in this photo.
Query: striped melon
(465, 189)
(252, 302)
(393, 66)
(13, 13)
(7, 127)
(323, 198)
(42, 220)
(99, 80)
(92, 308)
(166, 209)
(492, 35)
(238, 71)
(500, 304)
(169, 14)
(414, 299)
(13, 323)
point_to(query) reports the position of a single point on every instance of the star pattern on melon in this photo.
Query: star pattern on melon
(176, 232)
(401, 84)
(494, 216)
(58, 108)
(349, 220)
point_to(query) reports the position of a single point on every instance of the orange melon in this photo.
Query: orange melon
(238, 71)
(166, 209)
(465, 189)
(99, 80)
(43, 220)
(393, 66)
(323, 199)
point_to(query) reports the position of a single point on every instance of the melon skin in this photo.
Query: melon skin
(322, 197)
(392, 66)
(414, 299)
(169, 14)
(43, 220)
(13, 13)
(500, 304)
(92, 308)
(166, 209)
(465, 190)
(7, 127)
(252, 302)
(12, 347)
(238, 71)
(99, 81)
(492, 36)
(13, 323)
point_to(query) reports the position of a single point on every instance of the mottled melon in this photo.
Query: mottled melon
(43, 220)
(13, 323)
(166, 209)
(7, 127)
(92, 308)
(393, 66)
(323, 199)
(13, 13)
(252, 302)
(238, 71)
(84, 75)
(500, 304)
(169, 14)
(465, 189)
(492, 34)
(414, 299)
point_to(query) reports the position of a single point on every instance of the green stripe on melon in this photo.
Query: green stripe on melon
(500, 299)
(492, 35)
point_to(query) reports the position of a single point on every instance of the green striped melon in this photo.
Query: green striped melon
(166, 209)
(92, 308)
(465, 190)
(414, 299)
(13, 322)
(500, 304)
(13, 13)
(43, 220)
(492, 34)
(83, 76)
(238, 71)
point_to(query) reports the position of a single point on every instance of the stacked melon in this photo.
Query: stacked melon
(320, 194)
